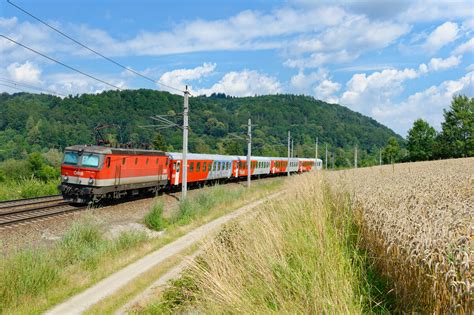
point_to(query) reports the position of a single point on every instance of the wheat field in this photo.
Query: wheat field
(416, 220)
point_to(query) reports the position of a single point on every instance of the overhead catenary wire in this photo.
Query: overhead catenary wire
(93, 50)
(20, 84)
(12, 87)
(59, 62)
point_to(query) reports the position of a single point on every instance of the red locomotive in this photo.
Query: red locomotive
(93, 173)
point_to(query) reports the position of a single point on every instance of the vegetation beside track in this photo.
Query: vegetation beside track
(298, 255)
(35, 279)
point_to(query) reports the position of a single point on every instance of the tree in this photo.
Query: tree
(159, 142)
(392, 151)
(456, 139)
(421, 141)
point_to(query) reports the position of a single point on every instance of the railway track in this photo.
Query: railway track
(24, 210)
(7, 204)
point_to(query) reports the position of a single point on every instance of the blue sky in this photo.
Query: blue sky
(393, 61)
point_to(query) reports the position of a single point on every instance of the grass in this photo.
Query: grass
(27, 188)
(35, 271)
(298, 255)
(190, 209)
(84, 256)
(154, 220)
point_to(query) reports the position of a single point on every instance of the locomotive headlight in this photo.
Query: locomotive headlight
(91, 181)
(65, 178)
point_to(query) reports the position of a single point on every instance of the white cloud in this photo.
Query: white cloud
(467, 47)
(435, 10)
(302, 82)
(244, 83)
(442, 35)
(72, 83)
(427, 104)
(438, 64)
(180, 77)
(366, 91)
(25, 73)
(325, 91)
(344, 42)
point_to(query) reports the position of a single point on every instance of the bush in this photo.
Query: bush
(15, 170)
(154, 219)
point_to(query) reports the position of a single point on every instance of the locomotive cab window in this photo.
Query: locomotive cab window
(90, 160)
(70, 158)
(107, 162)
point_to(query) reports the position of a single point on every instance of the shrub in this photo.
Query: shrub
(154, 219)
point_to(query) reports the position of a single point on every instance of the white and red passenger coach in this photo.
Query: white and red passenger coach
(92, 173)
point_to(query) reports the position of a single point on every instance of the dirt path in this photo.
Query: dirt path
(145, 296)
(81, 302)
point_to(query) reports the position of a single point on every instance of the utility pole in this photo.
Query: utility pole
(184, 165)
(289, 144)
(380, 156)
(292, 151)
(333, 160)
(249, 151)
(326, 160)
(355, 157)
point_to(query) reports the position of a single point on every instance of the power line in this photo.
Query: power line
(30, 87)
(92, 50)
(59, 62)
(12, 87)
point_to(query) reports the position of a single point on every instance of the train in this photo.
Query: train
(91, 173)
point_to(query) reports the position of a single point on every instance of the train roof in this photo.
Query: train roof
(108, 150)
(199, 156)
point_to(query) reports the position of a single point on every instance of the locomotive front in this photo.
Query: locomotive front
(80, 171)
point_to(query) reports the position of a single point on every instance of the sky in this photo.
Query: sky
(395, 61)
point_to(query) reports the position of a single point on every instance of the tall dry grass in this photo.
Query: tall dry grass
(294, 255)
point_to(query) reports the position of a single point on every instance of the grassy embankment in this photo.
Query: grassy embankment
(299, 254)
(33, 280)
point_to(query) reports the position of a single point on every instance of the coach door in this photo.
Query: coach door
(178, 171)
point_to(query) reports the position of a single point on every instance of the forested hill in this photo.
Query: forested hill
(32, 122)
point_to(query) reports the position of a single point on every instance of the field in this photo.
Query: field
(396, 238)
(417, 220)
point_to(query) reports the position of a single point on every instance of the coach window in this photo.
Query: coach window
(198, 166)
(156, 162)
(203, 166)
(136, 161)
(108, 162)
(146, 161)
(123, 161)
(191, 166)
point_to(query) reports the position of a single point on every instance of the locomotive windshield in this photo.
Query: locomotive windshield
(70, 158)
(90, 160)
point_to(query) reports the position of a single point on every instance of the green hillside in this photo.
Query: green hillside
(32, 122)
